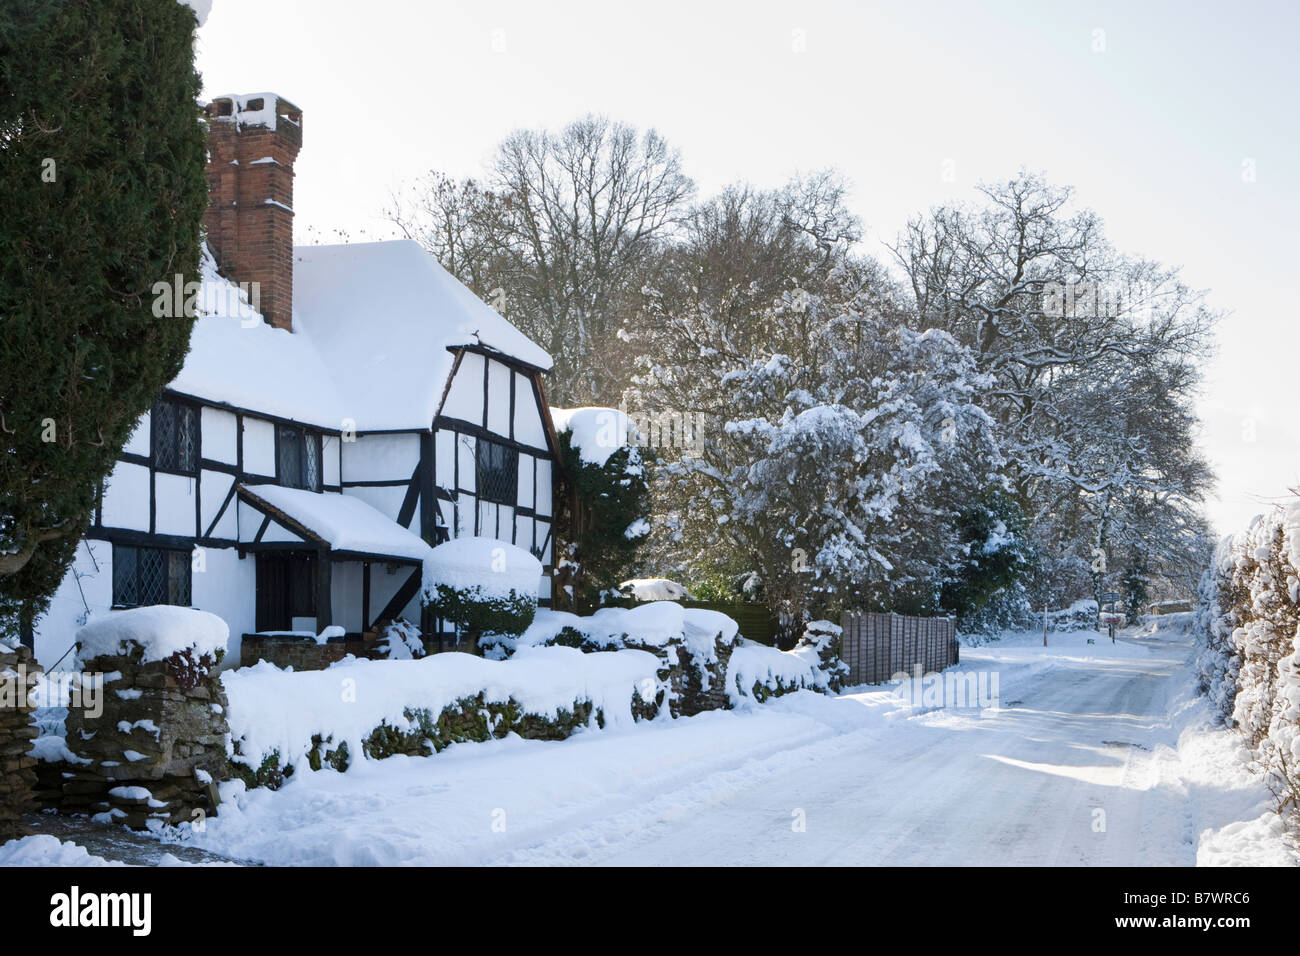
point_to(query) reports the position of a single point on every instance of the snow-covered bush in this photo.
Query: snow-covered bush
(400, 640)
(1248, 623)
(482, 586)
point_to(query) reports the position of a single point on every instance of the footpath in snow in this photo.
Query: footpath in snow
(1095, 754)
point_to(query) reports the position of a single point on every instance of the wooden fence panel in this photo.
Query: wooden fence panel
(878, 646)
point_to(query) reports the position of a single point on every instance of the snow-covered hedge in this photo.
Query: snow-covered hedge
(285, 721)
(758, 672)
(1249, 661)
(645, 626)
(692, 645)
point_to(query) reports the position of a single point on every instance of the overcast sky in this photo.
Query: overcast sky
(1177, 122)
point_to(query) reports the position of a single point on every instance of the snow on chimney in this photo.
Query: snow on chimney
(253, 141)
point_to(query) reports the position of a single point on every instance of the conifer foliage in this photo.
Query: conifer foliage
(102, 192)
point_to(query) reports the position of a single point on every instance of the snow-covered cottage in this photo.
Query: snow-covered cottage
(292, 477)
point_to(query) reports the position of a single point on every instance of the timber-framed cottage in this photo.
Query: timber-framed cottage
(294, 474)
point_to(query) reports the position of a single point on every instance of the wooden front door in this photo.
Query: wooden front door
(286, 588)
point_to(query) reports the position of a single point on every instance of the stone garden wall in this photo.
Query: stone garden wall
(17, 731)
(300, 651)
(158, 749)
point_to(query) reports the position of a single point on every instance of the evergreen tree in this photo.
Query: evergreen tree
(102, 192)
(603, 520)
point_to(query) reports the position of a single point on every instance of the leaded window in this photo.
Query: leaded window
(146, 576)
(175, 436)
(298, 457)
(496, 473)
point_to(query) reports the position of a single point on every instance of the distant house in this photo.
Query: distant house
(293, 475)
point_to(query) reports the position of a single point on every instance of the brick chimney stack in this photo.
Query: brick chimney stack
(253, 141)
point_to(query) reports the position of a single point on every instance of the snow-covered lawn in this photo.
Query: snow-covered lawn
(1095, 754)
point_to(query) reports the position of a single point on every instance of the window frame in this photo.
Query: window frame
(511, 467)
(173, 558)
(180, 411)
(304, 437)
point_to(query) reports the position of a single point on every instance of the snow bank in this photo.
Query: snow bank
(1257, 842)
(492, 567)
(161, 630)
(45, 850)
(596, 433)
(275, 713)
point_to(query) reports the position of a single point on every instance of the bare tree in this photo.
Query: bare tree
(559, 233)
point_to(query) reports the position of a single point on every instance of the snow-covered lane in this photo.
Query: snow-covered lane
(1098, 755)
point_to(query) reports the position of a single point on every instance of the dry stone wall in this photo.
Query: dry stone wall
(157, 749)
(17, 731)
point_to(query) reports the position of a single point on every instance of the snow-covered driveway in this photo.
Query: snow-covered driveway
(1097, 755)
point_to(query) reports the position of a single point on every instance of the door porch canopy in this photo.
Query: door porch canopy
(337, 527)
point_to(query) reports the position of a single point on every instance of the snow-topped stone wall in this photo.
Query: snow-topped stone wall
(151, 746)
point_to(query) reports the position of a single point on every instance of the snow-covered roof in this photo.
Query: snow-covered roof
(372, 325)
(345, 522)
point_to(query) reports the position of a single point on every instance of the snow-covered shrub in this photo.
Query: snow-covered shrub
(482, 586)
(1248, 623)
(400, 640)
(1219, 598)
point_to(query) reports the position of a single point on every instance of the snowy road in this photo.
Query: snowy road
(1097, 755)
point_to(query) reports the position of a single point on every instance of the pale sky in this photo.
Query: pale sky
(1158, 113)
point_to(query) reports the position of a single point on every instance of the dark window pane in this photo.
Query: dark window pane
(152, 577)
(291, 457)
(497, 470)
(175, 436)
(178, 578)
(124, 575)
(187, 438)
(311, 447)
(164, 434)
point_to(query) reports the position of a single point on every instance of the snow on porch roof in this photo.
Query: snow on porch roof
(344, 522)
(372, 325)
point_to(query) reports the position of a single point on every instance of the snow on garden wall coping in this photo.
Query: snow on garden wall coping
(275, 714)
(160, 631)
